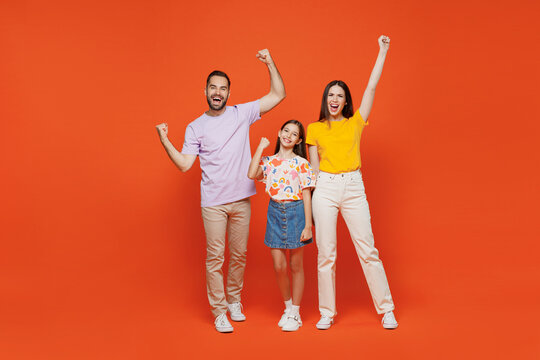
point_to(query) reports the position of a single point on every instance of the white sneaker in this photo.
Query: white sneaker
(236, 311)
(389, 320)
(325, 322)
(222, 324)
(293, 323)
(283, 319)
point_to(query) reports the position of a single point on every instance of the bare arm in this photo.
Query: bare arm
(277, 88)
(255, 171)
(307, 233)
(314, 158)
(369, 93)
(182, 161)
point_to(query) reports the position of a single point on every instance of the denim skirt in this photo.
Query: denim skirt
(284, 225)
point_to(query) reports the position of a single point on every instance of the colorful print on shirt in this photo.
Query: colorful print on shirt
(286, 178)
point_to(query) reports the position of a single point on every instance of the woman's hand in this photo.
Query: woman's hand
(384, 42)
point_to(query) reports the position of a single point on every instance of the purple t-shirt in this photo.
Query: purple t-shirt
(222, 143)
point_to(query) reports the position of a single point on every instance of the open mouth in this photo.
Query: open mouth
(334, 108)
(216, 100)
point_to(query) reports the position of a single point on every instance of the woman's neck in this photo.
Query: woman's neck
(337, 117)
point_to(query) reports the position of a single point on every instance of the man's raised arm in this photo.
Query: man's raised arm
(182, 161)
(277, 88)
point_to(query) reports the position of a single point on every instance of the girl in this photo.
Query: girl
(334, 149)
(288, 177)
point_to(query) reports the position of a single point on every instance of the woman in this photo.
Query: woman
(334, 150)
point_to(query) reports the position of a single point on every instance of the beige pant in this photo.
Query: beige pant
(345, 192)
(234, 219)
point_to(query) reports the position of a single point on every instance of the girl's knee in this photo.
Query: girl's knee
(280, 268)
(297, 266)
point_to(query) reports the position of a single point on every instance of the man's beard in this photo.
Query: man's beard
(216, 107)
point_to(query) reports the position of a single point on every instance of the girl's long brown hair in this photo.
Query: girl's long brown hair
(300, 148)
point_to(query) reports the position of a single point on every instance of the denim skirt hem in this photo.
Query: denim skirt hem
(285, 222)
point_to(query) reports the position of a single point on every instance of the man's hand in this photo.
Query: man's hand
(384, 42)
(264, 143)
(162, 130)
(277, 89)
(264, 56)
(182, 161)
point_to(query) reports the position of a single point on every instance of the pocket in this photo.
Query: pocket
(357, 185)
(357, 178)
(322, 178)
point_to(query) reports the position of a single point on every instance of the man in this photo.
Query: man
(220, 137)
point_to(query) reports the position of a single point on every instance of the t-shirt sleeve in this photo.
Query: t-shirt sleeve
(264, 165)
(357, 117)
(192, 144)
(307, 176)
(250, 111)
(311, 136)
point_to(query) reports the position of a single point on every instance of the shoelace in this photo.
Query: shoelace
(220, 320)
(389, 318)
(236, 307)
(295, 317)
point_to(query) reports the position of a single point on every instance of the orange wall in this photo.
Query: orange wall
(98, 225)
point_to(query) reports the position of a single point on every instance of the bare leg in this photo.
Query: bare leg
(279, 257)
(297, 270)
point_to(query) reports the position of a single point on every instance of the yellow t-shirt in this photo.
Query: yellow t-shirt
(338, 145)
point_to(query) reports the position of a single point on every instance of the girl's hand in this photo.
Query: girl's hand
(384, 42)
(264, 143)
(306, 234)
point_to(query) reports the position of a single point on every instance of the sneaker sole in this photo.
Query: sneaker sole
(290, 330)
(323, 327)
(390, 327)
(225, 331)
(238, 319)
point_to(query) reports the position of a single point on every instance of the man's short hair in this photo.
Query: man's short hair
(218, 73)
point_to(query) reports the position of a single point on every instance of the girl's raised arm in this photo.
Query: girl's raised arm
(255, 171)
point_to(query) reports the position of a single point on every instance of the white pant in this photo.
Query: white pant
(345, 192)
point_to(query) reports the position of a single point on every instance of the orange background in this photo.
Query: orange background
(102, 253)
